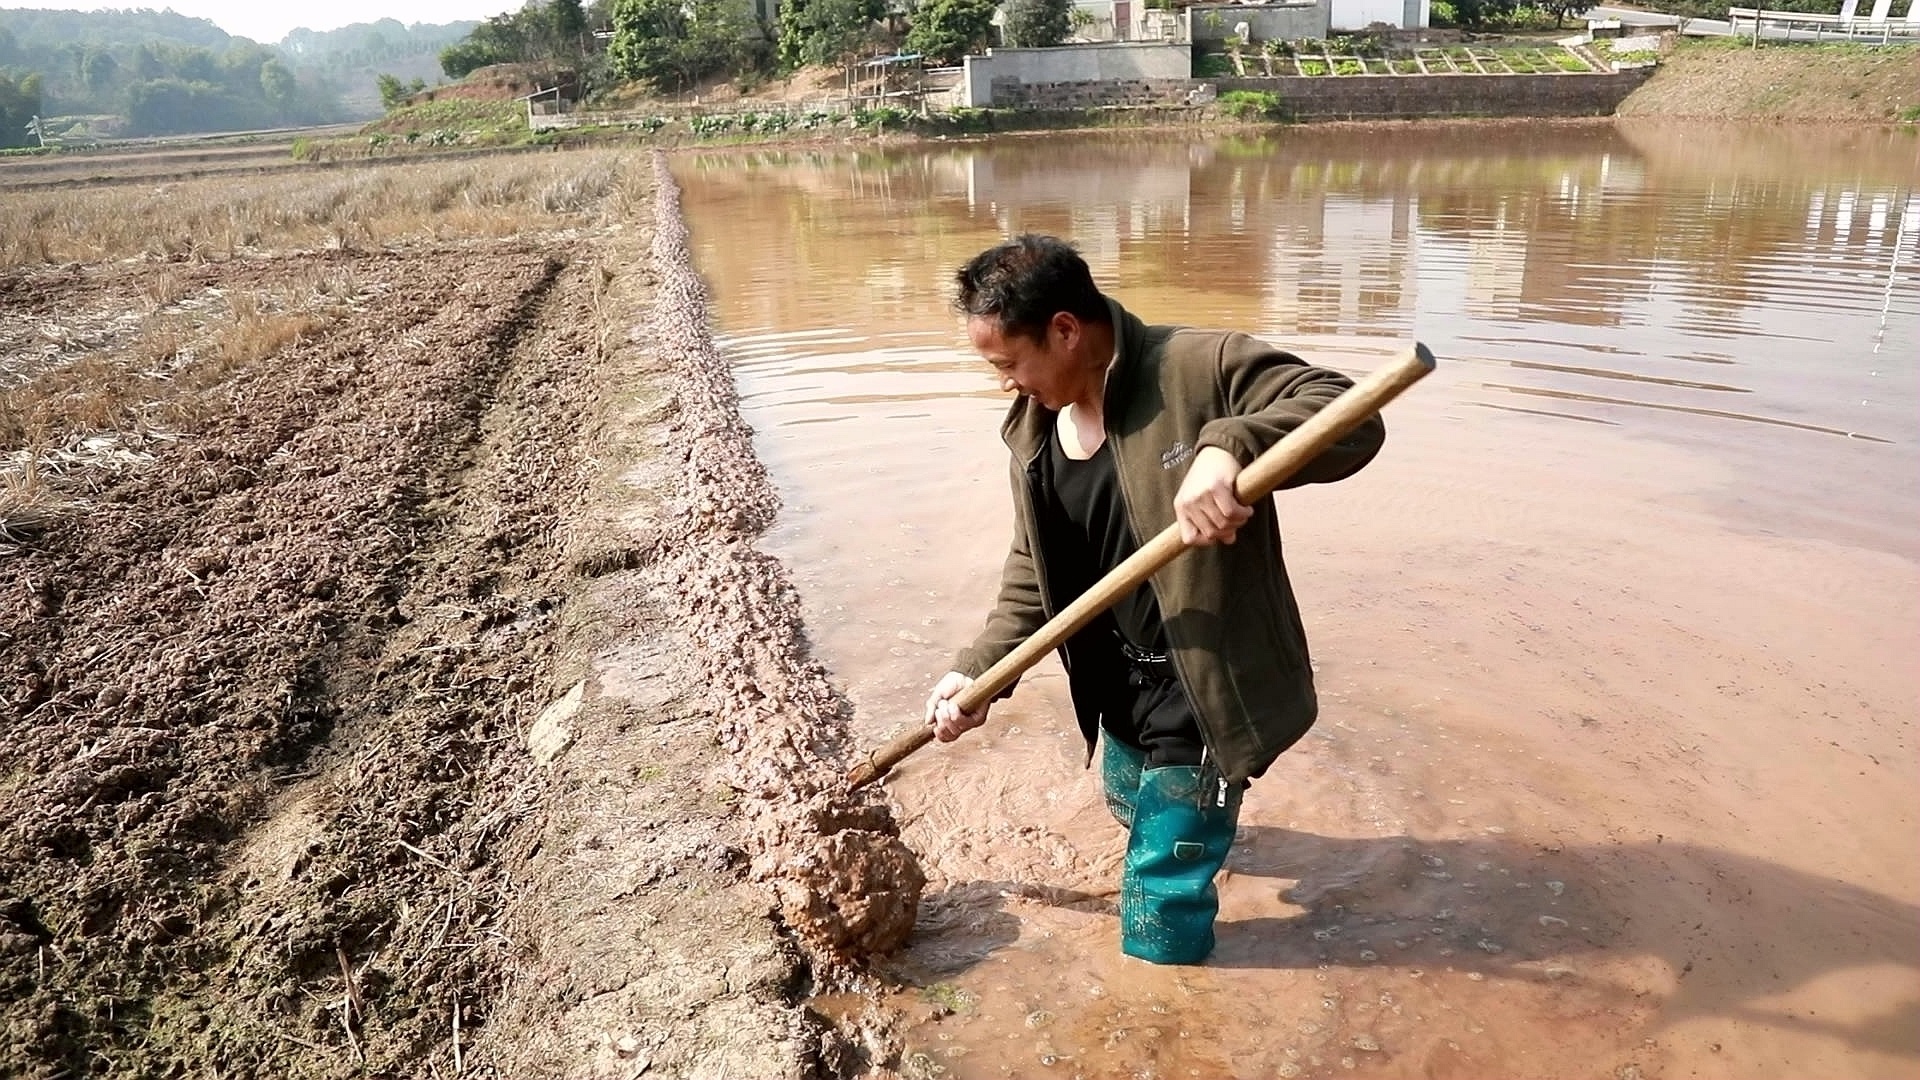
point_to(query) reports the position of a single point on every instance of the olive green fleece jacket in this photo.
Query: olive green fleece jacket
(1233, 627)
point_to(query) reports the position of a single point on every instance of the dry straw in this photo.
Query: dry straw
(298, 208)
(90, 391)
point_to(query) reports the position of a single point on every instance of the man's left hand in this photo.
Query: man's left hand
(1205, 506)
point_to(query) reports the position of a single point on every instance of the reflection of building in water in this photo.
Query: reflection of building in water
(1343, 264)
(1845, 218)
(1098, 200)
(1497, 271)
(1311, 235)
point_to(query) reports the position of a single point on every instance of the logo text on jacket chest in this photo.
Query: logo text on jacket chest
(1176, 455)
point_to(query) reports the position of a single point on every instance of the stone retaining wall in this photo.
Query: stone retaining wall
(1357, 97)
(1012, 93)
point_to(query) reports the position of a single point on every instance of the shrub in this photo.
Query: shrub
(706, 125)
(881, 117)
(1253, 106)
(946, 30)
(1038, 23)
(1313, 67)
(970, 119)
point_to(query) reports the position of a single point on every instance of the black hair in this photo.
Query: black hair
(1026, 281)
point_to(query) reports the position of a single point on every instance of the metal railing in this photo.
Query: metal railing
(1822, 27)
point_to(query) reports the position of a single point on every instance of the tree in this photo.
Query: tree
(147, 63)
(1688, 10)
(553, 31)
(825, 31)
(100, 71)
(568, 21)
(671, 44)
(1560, 9)
(278, 83)
(165, 106)
(946, 30)
(393, 92)
(502, 39)
(1039, 24)
(1473, 14)
(19, 104)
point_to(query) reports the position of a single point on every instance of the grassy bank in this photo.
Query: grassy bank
(1724, 78)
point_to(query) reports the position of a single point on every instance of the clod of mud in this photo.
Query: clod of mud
(846, 883)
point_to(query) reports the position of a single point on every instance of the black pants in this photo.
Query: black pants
(1149, 712)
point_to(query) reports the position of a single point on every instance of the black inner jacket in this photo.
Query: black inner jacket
(1084, 527)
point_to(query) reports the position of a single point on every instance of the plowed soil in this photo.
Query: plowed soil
(367, 729)
(343, 549)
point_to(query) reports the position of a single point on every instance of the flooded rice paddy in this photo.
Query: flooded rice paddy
(1615, 774)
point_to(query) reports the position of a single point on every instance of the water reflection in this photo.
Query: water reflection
(1580, 257)
(1349, 235)
(1622, 577)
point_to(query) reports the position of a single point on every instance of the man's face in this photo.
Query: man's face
(1041, 369)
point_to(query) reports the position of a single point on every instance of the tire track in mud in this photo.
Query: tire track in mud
(354, 553)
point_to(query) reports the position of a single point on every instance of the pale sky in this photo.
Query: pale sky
(267, 21)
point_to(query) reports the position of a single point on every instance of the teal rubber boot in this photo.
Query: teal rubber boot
(1180, 839)
(1120, 767)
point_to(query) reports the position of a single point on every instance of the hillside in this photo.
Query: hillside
(353, 56)
(1726, 80)
(141, 72)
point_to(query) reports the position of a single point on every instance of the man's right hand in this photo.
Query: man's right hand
(946, 719)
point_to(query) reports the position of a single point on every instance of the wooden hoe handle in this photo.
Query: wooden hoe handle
(1255, 482)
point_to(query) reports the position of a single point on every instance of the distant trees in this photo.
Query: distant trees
(1038, 23)
(19, 104)
(554, 31)
(278, 83)
(495, 41)
(100, 72)
(567, 21)
(394, 93)
(673, 44)
(162, 72)
(825, 31)
(946, 30)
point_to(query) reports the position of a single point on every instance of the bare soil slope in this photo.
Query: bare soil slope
(1722, 79)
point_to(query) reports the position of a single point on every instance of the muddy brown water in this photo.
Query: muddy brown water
(1615, 773)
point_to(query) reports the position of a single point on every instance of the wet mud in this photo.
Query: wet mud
(845, 881)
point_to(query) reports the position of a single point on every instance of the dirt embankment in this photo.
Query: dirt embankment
(375, 724)
(1722, 79)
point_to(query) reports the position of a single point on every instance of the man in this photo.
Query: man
(1195, 684)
